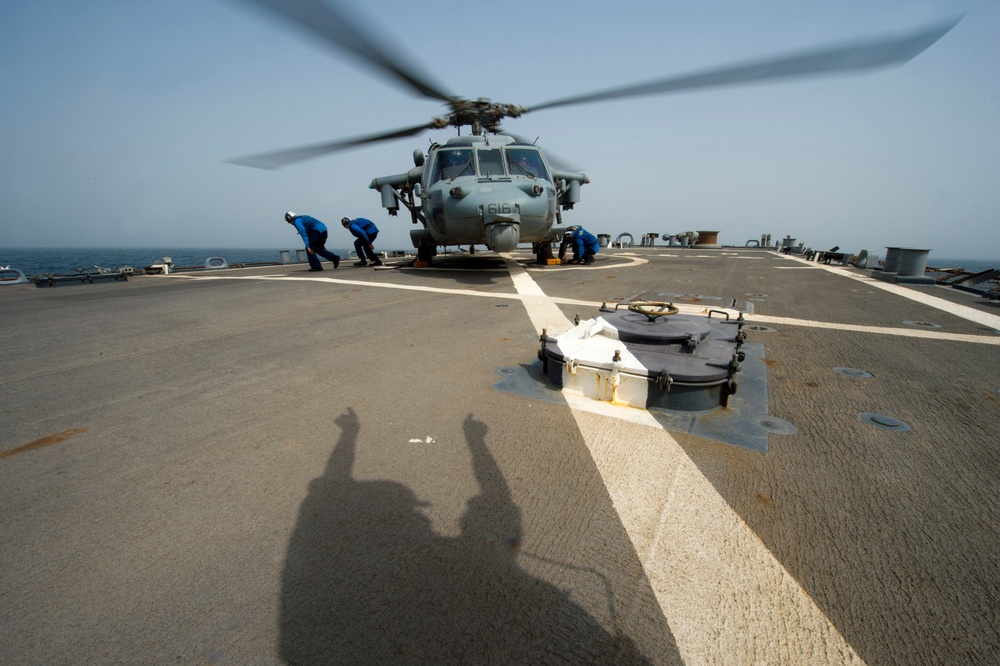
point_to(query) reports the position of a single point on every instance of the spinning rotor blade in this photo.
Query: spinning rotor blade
(870, 55)
(280, 158)
(554, 160)
(333, 25)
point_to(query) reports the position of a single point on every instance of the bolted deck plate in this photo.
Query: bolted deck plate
(745, 422)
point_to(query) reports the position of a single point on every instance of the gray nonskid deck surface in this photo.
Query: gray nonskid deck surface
(273, 466)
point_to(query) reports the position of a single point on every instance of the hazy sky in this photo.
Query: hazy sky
(117, 117)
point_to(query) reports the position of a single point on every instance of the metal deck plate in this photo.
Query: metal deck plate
(745, 423)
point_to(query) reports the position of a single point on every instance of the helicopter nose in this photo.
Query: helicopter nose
(502, 226)
(503, 235)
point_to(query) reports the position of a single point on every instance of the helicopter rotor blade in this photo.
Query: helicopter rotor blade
(869, 55)
(334, 26)
(554, 160)
(279, 158)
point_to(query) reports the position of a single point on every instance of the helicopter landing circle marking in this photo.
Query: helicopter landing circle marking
(630, 262)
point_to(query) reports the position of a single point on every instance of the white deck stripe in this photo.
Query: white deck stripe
(963, 311)
(902, 332)
(558, 326)
(724, 595)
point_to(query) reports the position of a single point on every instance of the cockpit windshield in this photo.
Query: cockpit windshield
(454, 162)
(526, 162)
(521, 161)
(490, 163)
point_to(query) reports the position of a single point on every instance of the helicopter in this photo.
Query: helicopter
(493, 188)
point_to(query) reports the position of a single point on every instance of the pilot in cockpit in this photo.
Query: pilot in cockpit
(453, 163)
(523, 164)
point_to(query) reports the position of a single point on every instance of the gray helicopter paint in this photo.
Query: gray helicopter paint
(497, 210)
(497, 206)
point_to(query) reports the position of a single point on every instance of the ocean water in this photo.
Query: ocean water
(70, 261)
(971, 265)
(67, 261)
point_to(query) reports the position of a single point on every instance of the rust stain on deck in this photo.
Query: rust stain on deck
(44, 441)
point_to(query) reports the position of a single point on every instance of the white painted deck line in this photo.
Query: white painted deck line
(880, 330)
(724, 595)
(963, 311)
(557, 326)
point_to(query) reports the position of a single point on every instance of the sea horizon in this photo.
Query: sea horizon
(70, 260)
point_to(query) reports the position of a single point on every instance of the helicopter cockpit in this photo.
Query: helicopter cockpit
(489, 163)
(526, 162)
(453, 163)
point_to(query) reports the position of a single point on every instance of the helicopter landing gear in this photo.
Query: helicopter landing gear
(543, 254)
(424, 255)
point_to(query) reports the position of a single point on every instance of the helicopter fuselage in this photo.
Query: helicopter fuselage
(482, 190)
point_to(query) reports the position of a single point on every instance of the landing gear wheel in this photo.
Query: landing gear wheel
(543, 253)
(425, 253)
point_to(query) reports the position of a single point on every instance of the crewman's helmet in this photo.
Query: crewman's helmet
(345, 221)
(289, 216)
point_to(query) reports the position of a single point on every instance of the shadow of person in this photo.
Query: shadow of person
(367, 580)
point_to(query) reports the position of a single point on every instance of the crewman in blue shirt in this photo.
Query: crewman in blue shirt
(314, 234)
(585, 245)
(364, 232)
